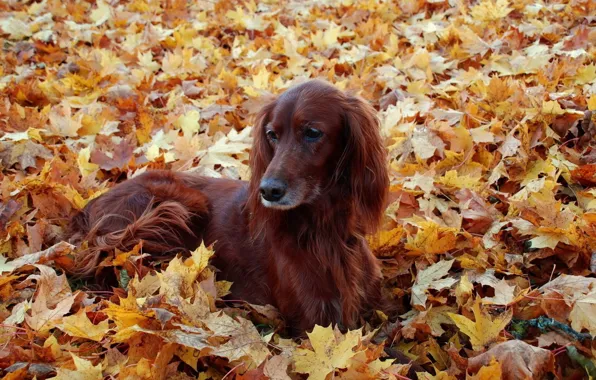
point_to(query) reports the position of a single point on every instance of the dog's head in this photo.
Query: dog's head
(313, 139)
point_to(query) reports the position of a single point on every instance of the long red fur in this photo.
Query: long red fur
(312, 261)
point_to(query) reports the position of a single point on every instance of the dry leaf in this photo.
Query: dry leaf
(485, 329)
(328, 352)
(431, 278)
(276, 368)
(518, 359)
(80, 326)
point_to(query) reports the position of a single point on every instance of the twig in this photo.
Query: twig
(545, 324)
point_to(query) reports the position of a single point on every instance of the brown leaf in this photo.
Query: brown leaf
(24, 153)
(554, 305)
(276, 368)
(7, 210)
(55, 251)
(244, 339)
(478, 216)
(554, 338)
(43, 318)
(519, 360)
(54, 287)
(109, 155)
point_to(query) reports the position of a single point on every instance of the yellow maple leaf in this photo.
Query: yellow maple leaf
(80, 326)
(586, 74)
(16, 28)
(552, 108)
(432, 238)
(424, 182)
(536, 169)
(592, 103)
(250, 21)
(325, 39)
(177, 280)
(489, 10)
(122, 257)
(452, 179)
(72, 195)
(54, 347)
(439, 355)
(549, 237)
(386, 241)
(362, 367)
(223, 288)
(485, 329)
(85, 166)
(172, 62)
(62, 121)
(85, 370)
(126, 314)
(146, 61)
(463, 290)
(436, 318)
(189, 123)
(329, 353)
(261, 79)
(100, 14)
(201, 256)
(489, 372)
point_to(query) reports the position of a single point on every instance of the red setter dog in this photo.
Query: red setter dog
(293, 236)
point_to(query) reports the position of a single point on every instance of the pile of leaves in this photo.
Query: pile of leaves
(489, 239)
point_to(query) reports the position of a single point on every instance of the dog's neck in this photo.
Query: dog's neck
(308, 223)
(326, 236)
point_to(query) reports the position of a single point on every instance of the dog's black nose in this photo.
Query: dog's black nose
(273, 189)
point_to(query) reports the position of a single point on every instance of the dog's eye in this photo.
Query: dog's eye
(271, 135)
(312, 134)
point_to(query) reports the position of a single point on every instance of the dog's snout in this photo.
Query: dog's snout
(273, 189)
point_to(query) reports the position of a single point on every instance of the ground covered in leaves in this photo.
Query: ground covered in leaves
(488, 243)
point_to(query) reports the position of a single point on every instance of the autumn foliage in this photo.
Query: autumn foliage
(488, 242)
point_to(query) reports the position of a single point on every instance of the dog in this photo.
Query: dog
(293, 236)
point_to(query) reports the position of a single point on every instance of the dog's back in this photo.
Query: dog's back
(157, 207)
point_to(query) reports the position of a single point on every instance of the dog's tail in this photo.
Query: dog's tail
(157, 208)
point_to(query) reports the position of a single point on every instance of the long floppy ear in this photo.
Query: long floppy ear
(260, 154)
(365, 165)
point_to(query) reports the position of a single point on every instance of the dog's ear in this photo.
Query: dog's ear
(365, 168)
(261, 152)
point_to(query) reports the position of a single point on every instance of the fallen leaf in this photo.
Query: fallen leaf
(276, 368)
(101, 14)
(80, 326)
(485, 329)
(244, 339)
(493, 370)
(432, 239)
(583, 313)
(85, 370)
(328, 354)
(504, 294)
(23, 153)
(60, 249)
(431, 278)
(43, 318)
(518, 359)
